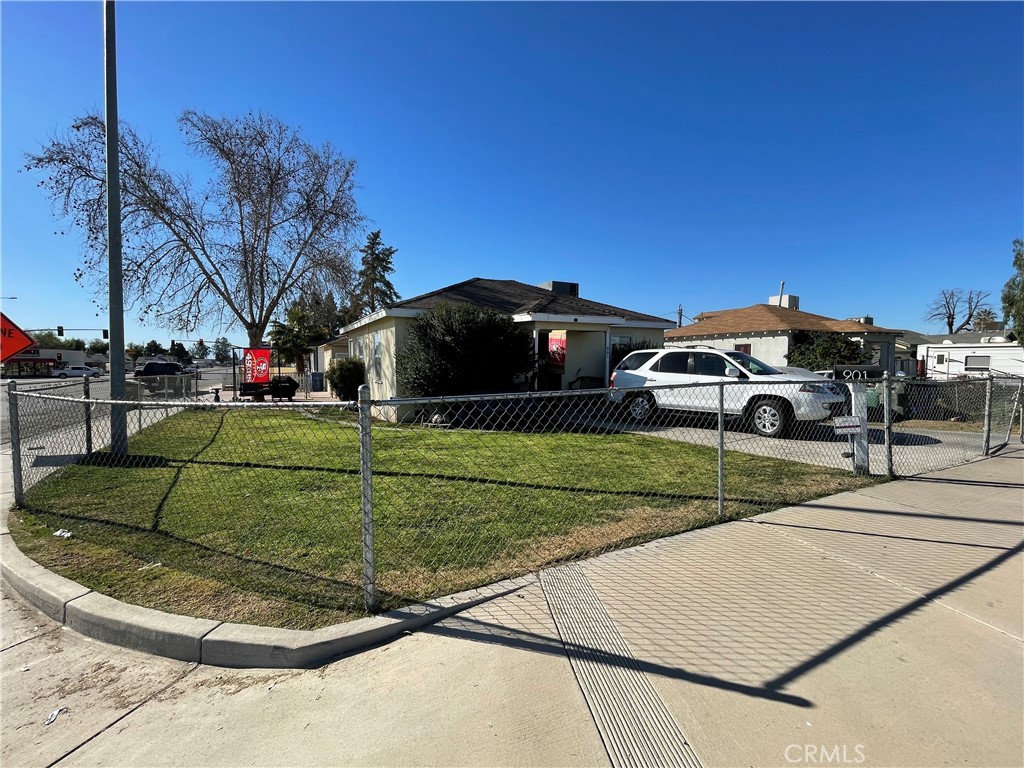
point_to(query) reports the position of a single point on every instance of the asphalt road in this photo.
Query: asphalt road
(42, 416)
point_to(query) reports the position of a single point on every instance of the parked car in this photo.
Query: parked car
(752, 394)
(77, 371)
(157, 375)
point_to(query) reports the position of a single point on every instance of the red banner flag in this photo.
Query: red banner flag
(256, 366)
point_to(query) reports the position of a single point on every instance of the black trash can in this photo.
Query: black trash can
(316, 381)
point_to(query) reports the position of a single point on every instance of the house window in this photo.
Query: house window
(616, 340)
(376, 355)
(977, 362)
(744, 348)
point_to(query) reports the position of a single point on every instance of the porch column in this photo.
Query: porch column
(607, 356)
(536, 357)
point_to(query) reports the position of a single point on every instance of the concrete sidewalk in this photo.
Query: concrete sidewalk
(882, 627)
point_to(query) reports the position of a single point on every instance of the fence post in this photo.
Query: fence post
(1017, 405)
(887, 407)
(861, 461)
(88, 416)
(986, 433)
(366, 478)
(15, 427)
(721, 449)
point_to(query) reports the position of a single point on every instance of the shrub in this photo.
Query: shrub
(818, 350)
(459, 349)
(345, 377)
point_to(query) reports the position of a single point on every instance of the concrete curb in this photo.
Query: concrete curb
(144, 629)
(40, 587)
(214, 642)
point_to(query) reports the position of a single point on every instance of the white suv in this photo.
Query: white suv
(78, 371)
(769, 399)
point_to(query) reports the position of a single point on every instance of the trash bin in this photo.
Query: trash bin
(316, 381)
(282, 387)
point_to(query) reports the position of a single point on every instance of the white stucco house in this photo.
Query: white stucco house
(768, 331)
(554, 313)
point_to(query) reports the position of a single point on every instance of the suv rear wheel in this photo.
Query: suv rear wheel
(641, 407)
(770, 418)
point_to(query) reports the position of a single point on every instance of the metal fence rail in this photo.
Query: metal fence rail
(372, 504)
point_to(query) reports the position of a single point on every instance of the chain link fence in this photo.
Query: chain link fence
(351, 507)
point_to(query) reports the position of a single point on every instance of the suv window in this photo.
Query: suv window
(708, 365)
(673, 362)
(633, 361)
(161, 369)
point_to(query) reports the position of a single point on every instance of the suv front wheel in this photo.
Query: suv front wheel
(770, 418)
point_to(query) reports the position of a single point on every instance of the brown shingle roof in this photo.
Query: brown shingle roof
(765, 317)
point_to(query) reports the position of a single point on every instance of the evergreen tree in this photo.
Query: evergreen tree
(222, 350)
(1013, 293)
(199, 350)
(373, 287)
(154, 348)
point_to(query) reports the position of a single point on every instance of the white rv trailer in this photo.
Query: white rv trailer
(993, 355)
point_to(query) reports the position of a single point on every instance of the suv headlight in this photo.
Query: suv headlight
(816, 389)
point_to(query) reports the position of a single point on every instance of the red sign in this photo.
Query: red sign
(12, 339)
(256, 366)
(556, 351)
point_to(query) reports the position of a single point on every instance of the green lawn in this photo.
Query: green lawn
(254, 516)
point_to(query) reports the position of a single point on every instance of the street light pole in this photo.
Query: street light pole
(118, 413)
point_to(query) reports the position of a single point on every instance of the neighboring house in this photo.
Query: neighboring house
(767, 331)
(322, 357)
(971, 354)
(583, 331)
(906, 351)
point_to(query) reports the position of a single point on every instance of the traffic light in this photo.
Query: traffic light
(201, 343)
(60, 330)
(106, 334)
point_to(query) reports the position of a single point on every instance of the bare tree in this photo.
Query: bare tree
(275, 216)
(957, 308)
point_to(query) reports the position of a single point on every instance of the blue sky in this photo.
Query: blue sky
(868, 154)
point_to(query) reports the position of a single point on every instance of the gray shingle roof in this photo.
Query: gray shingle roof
(514, 298)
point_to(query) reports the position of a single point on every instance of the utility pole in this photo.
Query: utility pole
(118, 413)
(679, 319)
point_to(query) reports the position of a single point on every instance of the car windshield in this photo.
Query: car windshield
(752, 364)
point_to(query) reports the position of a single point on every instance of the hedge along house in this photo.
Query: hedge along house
(769, 332)
(574, 336)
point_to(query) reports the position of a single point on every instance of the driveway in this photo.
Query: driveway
(914, 451)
